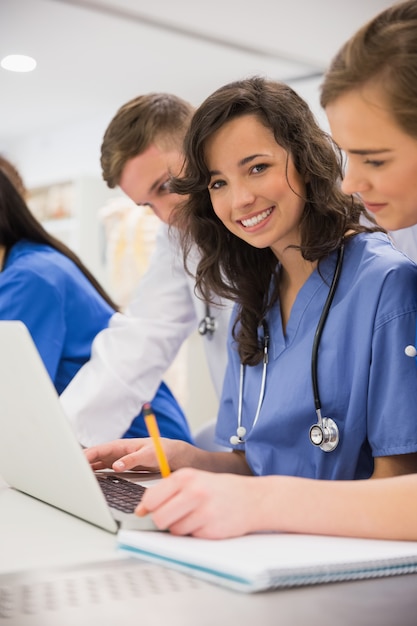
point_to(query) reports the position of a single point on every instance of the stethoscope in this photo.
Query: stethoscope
(325, 433)
(208, 324)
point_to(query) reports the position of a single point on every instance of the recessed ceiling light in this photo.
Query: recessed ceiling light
(18, 63)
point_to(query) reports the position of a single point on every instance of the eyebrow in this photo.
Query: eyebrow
(158, 181)
(369, 151)
(242, 162)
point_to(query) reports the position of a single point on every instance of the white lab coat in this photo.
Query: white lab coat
(406, 240)
(130, 357)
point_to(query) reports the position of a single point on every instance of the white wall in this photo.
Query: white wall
(73, 150)
(59, 154)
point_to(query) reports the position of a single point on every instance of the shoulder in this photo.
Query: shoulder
(378, 251)
(375, 273)
(33, 253)
(28, 261)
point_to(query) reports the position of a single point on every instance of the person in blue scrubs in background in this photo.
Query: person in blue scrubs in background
(46, 286)
(267, 213)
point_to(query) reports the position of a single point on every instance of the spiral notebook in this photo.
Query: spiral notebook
(273, 560)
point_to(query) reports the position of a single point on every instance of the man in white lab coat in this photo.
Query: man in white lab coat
(141, 149)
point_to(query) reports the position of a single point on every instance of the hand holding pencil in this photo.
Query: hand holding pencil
(153, 430)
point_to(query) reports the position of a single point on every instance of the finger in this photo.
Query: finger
(98, 466)
(112, 450)
(188, 525)
(141, 510)
(170, 503)
(103, 453)
(91, 455)
(143, 458)
(154, 497)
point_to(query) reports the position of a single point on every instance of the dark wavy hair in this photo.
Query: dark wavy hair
(17, 222)
(229, 267)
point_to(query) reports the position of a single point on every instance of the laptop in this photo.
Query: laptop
(39, 452)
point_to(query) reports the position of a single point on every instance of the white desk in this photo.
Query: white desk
(56, 570)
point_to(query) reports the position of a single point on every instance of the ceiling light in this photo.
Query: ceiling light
(18, 63)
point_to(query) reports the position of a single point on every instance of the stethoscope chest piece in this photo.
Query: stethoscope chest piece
(239, 437)
(208, 324)
(325, 434)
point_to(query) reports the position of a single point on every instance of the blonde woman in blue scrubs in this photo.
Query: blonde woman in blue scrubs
(45, 285)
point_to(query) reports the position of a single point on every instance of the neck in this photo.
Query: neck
(2, 256)
(295, 270)
(293, 275)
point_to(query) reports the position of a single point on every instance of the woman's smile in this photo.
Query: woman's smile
(256, 219)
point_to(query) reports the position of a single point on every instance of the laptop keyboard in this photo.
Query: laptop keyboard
(121, 494)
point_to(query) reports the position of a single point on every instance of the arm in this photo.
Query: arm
(218, 506)
(130, 357)
(397, 465)
(392, 384)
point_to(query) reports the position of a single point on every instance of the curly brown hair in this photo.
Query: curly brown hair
(230, 267)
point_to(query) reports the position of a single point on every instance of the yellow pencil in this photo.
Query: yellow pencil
(153, 431)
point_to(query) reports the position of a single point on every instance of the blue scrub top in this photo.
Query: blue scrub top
(367, 384)
(63, 312)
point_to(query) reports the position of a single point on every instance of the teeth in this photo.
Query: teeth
(256, 219)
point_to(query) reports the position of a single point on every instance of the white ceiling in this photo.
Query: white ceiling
(94, 55)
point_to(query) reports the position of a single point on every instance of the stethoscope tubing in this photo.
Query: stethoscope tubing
(327, 428)
(320, 326)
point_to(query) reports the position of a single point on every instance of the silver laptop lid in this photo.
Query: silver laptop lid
(39, 453)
